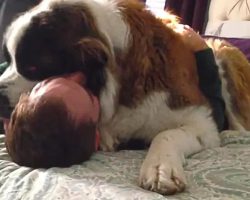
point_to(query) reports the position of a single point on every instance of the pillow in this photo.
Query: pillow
(229, 29)
(242, 44)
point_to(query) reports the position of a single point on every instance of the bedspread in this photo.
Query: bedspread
(219, 173)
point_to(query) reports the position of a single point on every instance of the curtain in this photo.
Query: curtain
(192, 12)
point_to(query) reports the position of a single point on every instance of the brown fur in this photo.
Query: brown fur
(157, 60)
(168, 18)
(36, 132)
(45, 135)
(237, 73)
(62, 41)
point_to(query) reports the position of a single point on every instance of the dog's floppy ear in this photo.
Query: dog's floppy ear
(90, 51)
(93, 58)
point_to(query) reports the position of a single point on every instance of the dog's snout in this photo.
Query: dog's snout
(5, 108)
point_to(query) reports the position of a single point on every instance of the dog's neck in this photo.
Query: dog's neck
(109, 21)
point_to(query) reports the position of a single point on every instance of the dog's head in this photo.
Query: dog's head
(50, 40)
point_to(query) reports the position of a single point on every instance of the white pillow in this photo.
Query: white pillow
(232, 29)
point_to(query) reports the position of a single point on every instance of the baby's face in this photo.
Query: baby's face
(81, 104)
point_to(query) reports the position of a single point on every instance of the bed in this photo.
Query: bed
(219, 173)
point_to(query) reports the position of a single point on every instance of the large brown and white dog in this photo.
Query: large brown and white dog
(141, 70)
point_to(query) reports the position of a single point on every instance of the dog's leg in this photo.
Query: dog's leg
(162, 170)
(108, 142)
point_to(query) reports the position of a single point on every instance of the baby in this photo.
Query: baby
(55, 125)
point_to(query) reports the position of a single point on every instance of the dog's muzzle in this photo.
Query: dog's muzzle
(12, 85)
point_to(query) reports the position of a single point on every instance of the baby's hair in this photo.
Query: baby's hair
(44, 134)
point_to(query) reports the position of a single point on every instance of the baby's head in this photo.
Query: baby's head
(55, 125)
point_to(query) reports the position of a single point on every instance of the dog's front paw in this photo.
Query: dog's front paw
(164, 177)
(107, 142)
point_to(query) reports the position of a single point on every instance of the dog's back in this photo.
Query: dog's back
(234, 70)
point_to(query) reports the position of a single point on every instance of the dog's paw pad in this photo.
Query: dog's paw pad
(162, 179)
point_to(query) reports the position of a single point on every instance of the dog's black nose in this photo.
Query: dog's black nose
(5, 108)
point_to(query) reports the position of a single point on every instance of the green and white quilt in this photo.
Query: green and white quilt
(219, 174)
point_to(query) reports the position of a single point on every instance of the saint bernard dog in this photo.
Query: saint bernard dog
(142, 72)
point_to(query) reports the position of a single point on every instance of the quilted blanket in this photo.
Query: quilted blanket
(220, 173)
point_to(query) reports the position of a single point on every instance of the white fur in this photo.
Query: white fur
(109, 22)
(233, 121)
(18, 27)
(174, 133)
(108, 18)
(162, 169)
(153, 116)
(108, 99)
(15, 85)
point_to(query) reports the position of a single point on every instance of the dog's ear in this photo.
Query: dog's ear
(80, 43)
(63, 40)
(92, 58)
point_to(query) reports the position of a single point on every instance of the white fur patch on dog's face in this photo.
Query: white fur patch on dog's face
(13, 85)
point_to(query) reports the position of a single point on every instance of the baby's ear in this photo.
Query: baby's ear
(93, 58)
